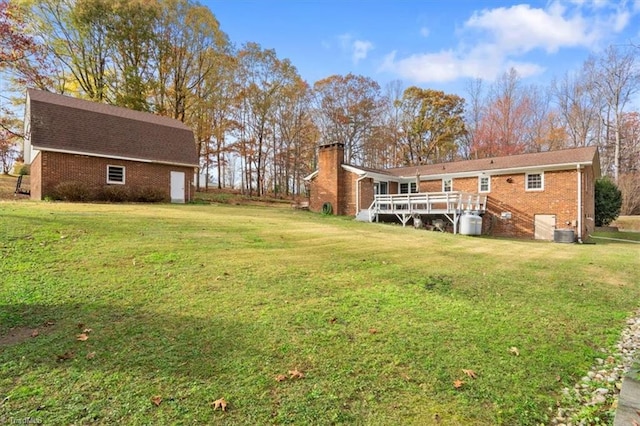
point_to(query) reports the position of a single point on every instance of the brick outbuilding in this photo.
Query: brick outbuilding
(528, 195)
(70, 141)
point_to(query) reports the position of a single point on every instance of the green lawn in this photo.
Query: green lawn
(198, 302)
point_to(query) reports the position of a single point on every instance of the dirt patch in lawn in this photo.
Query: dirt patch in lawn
(18, 335)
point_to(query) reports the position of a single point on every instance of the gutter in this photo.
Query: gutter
(358, 192)
(114, 157)
(579, 169)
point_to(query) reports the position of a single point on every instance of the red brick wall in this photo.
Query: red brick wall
(588, 201)
(327, 186)
(559, 197)
(35, 171)
(366, 193)
(55, 168)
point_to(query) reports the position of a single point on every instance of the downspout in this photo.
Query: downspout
(579, 169)
(358, 193)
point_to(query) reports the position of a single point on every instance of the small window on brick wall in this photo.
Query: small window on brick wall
(115, 174)
(447, 185)
(484, 184)
(535, 182)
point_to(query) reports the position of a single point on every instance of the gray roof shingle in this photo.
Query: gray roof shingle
(67, 124)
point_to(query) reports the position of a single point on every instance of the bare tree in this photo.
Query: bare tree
(614, 78)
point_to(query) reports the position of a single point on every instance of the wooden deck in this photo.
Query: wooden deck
(449, 204)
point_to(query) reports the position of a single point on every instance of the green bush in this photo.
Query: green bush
(608, 201)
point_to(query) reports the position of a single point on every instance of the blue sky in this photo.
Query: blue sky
(431, 43)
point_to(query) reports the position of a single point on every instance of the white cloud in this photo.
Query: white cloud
(493, 40)
(447, 65)
(357, 49)
(360, 50)
(521, 28)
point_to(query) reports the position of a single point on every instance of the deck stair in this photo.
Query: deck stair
(450, 204)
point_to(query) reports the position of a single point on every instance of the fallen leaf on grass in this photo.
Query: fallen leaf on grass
(87, 330)
(35, 333)
(373, 330)
(157, 400)
(220, 403)
(82, 337)
(333, 320)
(472, 374)
(91, 355)
(281, 377)
(295, 374)
(65, 356)
(513, 350)
(458, 383)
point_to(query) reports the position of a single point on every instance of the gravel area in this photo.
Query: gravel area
(593, 401)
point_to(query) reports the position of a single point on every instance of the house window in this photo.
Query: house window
(447, 185)
(484, 184)
(404, 188)
(381, 188)
(115, 174)
(534, 182)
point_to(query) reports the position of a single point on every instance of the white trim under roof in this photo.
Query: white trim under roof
(374, 175)
(311, 176)
(114, 157)
(493, 172)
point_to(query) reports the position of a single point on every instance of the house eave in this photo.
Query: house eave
(504, 171)
(310, 176)
(369, 174)
(115, 157)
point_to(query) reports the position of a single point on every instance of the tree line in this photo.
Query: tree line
(257, 123)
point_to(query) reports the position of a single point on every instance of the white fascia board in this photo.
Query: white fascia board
(551, 167)
(369, 174)
(310, 176)
(115, 157)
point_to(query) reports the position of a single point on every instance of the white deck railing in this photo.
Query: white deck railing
(428, 203)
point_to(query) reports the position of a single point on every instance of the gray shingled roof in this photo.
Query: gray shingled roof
(569, 157)
(67, 124)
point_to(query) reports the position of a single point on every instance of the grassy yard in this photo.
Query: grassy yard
(190, 304)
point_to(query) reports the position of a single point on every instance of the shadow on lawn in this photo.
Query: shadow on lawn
(129, 340)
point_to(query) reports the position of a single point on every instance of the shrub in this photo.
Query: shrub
(73, 191)
(115, 193)
(608, 201)
(148, 195)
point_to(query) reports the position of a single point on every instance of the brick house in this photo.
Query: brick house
(103, 147)
(528, 195)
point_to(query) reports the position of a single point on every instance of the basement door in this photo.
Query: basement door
(545, 224)
(177, 187)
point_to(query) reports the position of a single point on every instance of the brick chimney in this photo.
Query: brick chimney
(328, 184)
